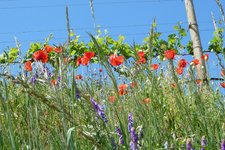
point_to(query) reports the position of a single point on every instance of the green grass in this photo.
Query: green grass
(42, 116)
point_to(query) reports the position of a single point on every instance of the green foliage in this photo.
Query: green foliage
(13, 54)
(33, 47)
(3, 58)
(9, 56)
(76, 48)
(216, 44)
(190, 47)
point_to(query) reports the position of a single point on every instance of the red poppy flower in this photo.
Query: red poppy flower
(141, 54)
(79, 61)
(78, 77)
(58, 49)
(195, 62)
(222, 72)
(122, 89)
(53, 82)
(146, 100)
(100, 69)
(122, 92)
(222, 84)
(111, 99)
(142, 60)
(198, 81)
(116, 60)
(173, 85)
(123, 86)
(205, 57)
(41, 55)
(180, 70)
(28, 66)
(48, 48)
(182, 63)
(85, 61)
(89, 54)
(155, 66)
(170, 54)
(132, 84)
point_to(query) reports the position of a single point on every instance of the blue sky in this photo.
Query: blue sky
(32, 21)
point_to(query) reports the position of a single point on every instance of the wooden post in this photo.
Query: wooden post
(197, 46)
(68, 23)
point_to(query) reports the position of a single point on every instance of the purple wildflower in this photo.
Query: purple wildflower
(132, 146)
(203, 143)
(119, 133)
(45, 69)
(99, 110)
(188, 144)
(95, 104)
(33, 79)
(130, 121)
(58, 79)
(49, 75)
(105, 77)
(134, 139)
(223, 145)
(113, 143)
(77, 93)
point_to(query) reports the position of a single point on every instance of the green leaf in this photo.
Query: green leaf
(72, 52)
(99, 32)
(154, 24)
(121, 39)
(190, 47)
(33, 47)
(100, 41)
(72, 33)
(48, 38)
(176, 27)
(13, 53)
(109, 40)
(182, 32)
(3, 58)
(163, 46)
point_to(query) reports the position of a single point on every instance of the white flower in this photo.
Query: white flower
(158, 57)
(166, 145)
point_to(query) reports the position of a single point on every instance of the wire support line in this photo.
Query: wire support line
(87, 4)
(81, 37)
(91, 28)
(112, 35)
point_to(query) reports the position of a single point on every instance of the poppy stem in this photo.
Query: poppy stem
(174, 76)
